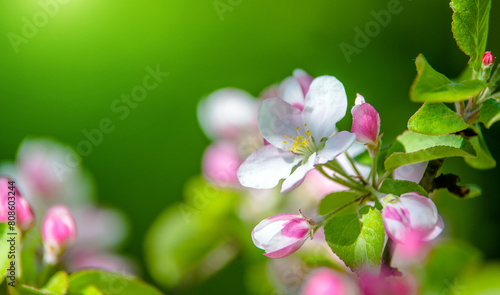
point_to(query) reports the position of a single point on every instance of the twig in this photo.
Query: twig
(430, 173)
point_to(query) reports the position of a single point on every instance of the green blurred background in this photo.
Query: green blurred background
(65, 78)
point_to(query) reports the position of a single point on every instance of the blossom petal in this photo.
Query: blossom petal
(411, 172)
(265, 167)
(263, 235)
(336, 145)
(438, 229)
(281, 234)
(394, 227)
(325, 105)
(423, 212)
(225, 112)
(278, 118)
(297, 177)
(297, 228)
(282, 252)
(260, 238)
(359, 100)
(291, 92)
(304, 79)
(365, 123)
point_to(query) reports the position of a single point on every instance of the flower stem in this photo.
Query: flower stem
(336, 168)
(47, 271)
(427, 181)
(459, 107)
(382, 178)
(355, 168)
(386, 267)
(326, 217)
(374, 168)
(352, 185)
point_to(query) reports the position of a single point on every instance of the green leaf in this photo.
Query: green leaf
(470, 27)
(474, 191)
(411, 147)
(484, 159)
(357, 242)
(336, 200)
(91, 290)
(4, 249)
(399, 187)
(58, 283)
(432, 86)
(25, 290)
(490, 112)
(495, 78)
(436, 119)
(178, 243)
(108, 283)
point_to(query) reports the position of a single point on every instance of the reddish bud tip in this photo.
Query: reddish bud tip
(488, 58)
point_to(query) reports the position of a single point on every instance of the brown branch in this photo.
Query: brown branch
(427, 181)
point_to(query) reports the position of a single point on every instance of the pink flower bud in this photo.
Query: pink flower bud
(4, 198)
(365, 121)
(409, 214)
(325, 281)
(488, 59)
(221, 162)
(58, 230)
(24, 216)
(281, 235)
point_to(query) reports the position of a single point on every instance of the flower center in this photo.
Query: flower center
(301, 144)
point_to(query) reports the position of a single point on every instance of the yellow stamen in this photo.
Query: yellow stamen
(302, 145)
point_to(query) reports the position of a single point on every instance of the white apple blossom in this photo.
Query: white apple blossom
(299, 138)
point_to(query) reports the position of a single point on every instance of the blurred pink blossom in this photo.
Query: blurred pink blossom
(58, 230)
(325, 281)
(24, 216)
(221, 161)
(376, 284)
